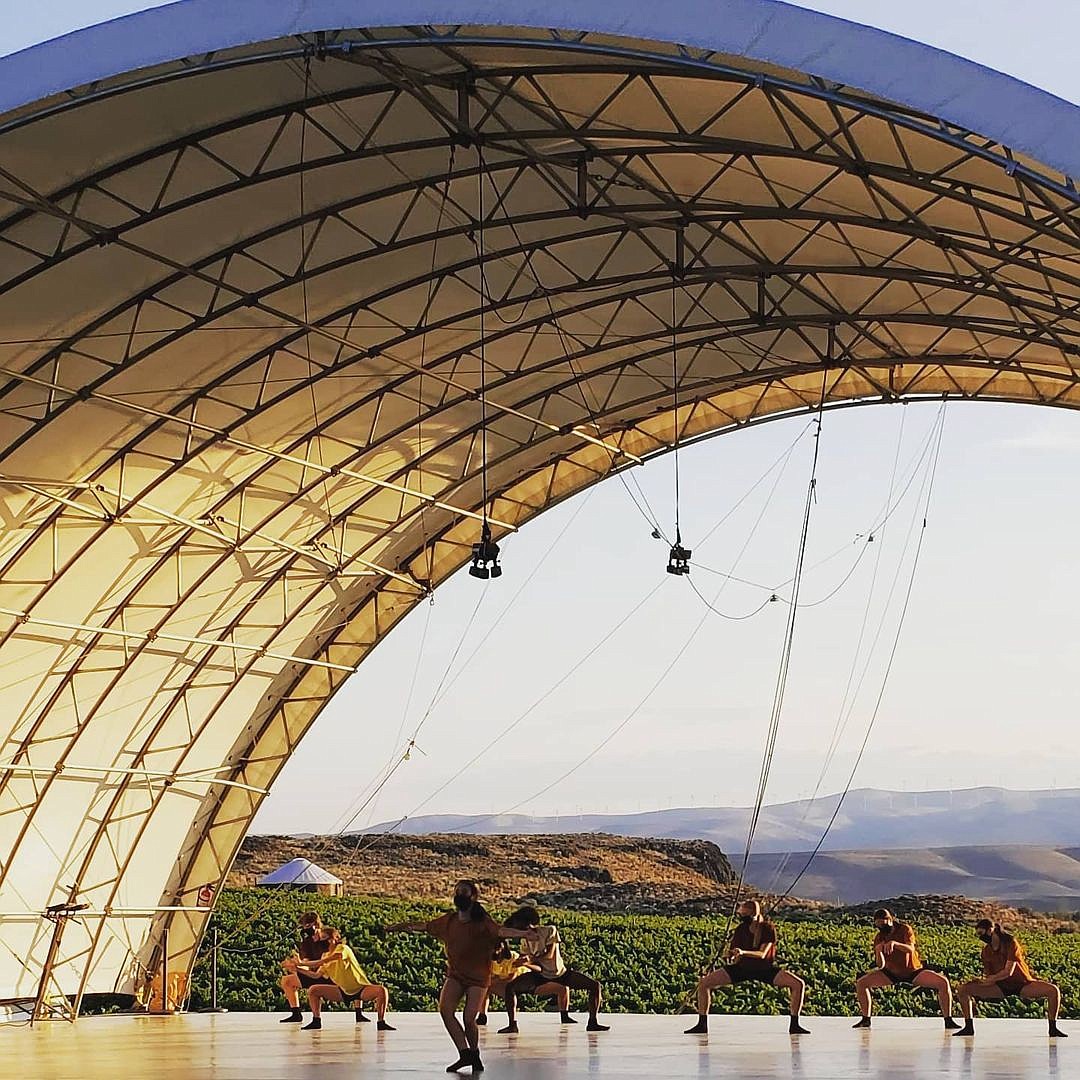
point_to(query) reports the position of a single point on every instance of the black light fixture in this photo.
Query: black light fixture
(485, 556)
(678, 558)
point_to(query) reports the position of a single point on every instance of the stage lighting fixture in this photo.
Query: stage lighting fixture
(485, 556)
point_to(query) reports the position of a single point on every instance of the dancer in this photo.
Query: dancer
(312, 948)
(1006, 973)
(346, 982)
(545, 953)
(751, 957)
(469, 935)
(898, 961)
(507, 966)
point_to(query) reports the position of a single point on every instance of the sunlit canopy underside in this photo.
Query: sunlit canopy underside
(242, 304)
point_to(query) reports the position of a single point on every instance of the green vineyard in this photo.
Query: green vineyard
(647, 963)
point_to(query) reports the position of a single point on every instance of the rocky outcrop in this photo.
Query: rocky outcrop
(506, 867)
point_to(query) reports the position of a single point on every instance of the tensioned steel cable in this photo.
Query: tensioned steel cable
(929, 488)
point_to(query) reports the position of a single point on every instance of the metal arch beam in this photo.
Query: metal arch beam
(748, 330)
(106, 820)
(185, 882)
(527, 455)
(773, 150)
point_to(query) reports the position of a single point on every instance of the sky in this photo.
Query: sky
(587, 659)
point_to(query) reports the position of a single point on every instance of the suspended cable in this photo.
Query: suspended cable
(929, 488)
(485, 553)
(782, 673)
(781, 867)
(678, 557)
(517, 721)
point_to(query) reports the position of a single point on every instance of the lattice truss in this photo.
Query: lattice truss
(241, 303)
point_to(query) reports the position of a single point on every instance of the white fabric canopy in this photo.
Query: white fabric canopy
(283, 319)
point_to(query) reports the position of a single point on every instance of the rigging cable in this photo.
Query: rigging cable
(837, 726)
(782, 673)
(929, 488)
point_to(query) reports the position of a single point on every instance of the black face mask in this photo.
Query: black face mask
(984, 938)
(307, 931)
(746, 919)
(885, 929)
(463, 902)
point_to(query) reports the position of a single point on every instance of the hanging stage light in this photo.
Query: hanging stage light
(678, 558)
(485, 556)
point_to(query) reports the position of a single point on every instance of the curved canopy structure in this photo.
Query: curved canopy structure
(290, 302)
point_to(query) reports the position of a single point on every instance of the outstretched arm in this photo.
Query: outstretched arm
(510, 932)
(415, 927)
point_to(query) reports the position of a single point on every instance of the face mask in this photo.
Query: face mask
(885, 929)
(462, 901)
(307, 931)
(984, 938)
(746, 919)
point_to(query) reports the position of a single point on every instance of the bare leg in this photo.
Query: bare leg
(575, 980)
(316, 995)
(937, 982)
(705, 987)
(790, 981)
(290, 987)
(474, 996)
(452, 992)
(523, 983)
(863, 985)
(1040, 988)
(561, 994)
(969, 993)
(381, 997)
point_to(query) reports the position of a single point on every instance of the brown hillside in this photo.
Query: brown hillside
(506, 867)
(584, 871)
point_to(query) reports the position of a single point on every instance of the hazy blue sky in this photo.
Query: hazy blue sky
(983, 689)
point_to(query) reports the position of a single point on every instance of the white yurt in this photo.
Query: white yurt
(304, 875)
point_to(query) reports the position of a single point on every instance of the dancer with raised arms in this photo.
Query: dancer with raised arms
(899, 964)
(469, 936)
(1006, 974)
(751, 957)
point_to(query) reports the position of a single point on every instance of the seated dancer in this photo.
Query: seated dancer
(346, 982)
(469, 935)
(545, 953)
(312, 948)
(1006, 973)
(506, 966)
(751, 957)
(898, 963)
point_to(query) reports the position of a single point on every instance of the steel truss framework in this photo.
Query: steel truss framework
(240, 380)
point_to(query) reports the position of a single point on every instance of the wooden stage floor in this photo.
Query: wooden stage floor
(242, 1045)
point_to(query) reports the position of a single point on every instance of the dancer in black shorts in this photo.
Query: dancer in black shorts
(545, 953)
(1005, 974)
(751, 957)
(899, 963)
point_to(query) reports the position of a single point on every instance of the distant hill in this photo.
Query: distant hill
(869, 819)
(596, 871)
(1028, 875)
